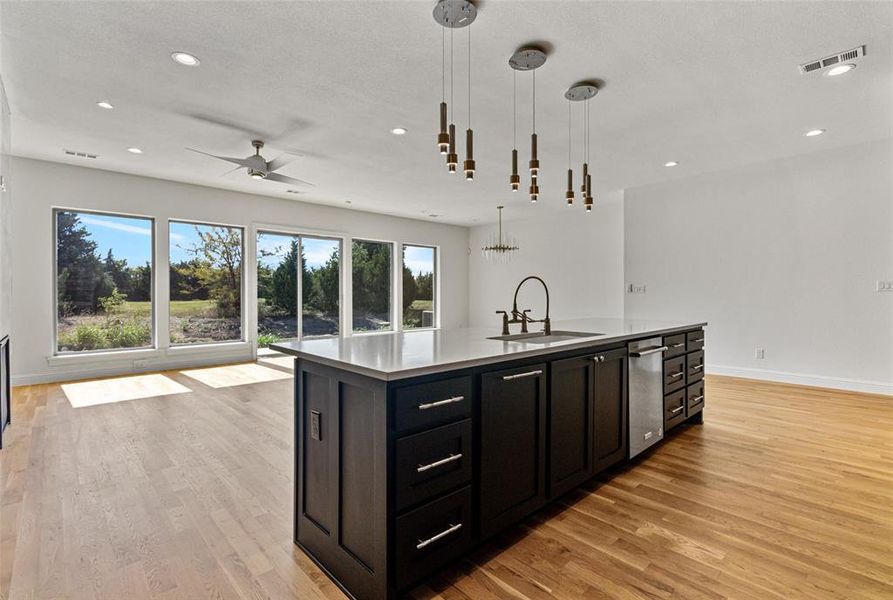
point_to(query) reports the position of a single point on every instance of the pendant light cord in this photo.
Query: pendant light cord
(534, 101)
(469, 76)
(568, 133)
(443, 62)
(514, 109)
(451, 69)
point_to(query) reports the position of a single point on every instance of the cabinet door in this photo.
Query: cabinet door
(570, 423)
(512, 446)
(610, 408)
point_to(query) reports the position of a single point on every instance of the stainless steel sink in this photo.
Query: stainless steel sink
(541, 338)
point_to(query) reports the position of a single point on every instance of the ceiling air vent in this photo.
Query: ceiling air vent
(829, 61)
(79, 154)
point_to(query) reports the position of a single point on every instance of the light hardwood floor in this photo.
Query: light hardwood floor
(784, 492)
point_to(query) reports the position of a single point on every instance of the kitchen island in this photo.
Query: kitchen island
(412, 448)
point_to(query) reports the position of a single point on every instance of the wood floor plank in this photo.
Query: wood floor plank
(784, 492)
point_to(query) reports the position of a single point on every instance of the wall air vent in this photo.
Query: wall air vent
(79, 154)
(829, 61)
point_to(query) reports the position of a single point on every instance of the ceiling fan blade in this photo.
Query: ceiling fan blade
(285, 179)
(233, 170)
(244, 162)
(280, 161)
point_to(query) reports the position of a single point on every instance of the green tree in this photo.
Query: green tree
(325, 286)
(80, 279)
(119, 273)
(141, 283)
(371, 277)
(284, 285)
(220, 251)
(410, 288)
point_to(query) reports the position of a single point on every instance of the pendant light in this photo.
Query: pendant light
(452, 14)
(468, 165)
(499, 249)
(515, 179)
(582, 92)
(443, 138)
(569, 194)
(530, 59)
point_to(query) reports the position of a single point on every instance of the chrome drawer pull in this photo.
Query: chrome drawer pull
(428, 405)
(696, 367)
(675, 375)
(676, 410)
(441, 535)
(697, 399)
(677, 345)
(642, 353)
(521, 375)
(438, 463)
(698, 340)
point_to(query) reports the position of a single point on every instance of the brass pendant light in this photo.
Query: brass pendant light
(468, 165)
(443, 138)
(529, 59)
(583, 92)
(453, 14)
(569, 194)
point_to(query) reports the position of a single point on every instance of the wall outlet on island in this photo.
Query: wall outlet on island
(635, 288)
(759, 353)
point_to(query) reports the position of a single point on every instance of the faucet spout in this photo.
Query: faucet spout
(547, 324)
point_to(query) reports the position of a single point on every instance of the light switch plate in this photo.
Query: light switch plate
(884, 286)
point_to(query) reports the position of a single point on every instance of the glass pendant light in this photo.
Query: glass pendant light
(534, 163)
(452, 158)
(499, 249)
(529, 59)
(468, 165)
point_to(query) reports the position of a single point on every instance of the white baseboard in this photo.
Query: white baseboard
(111, 369)
(837, 383)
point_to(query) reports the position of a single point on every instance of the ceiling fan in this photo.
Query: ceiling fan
(258, 167)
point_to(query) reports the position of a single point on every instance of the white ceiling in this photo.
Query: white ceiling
(711, 85)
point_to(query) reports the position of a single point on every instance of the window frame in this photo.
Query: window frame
(435, 287)
(393, 289)
(243, 334)
(153, 346)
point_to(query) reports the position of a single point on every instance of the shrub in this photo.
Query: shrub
(265, 339)
(84, 337)
(128, 334)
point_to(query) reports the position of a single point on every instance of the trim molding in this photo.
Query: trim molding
(822, 381)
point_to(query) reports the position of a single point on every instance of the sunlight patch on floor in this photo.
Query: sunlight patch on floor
(232, 375)
(278, 360)
(120, 389)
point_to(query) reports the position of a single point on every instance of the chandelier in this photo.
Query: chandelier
(499, 249)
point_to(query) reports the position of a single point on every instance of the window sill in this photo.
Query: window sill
(108, 356)
(209, 348)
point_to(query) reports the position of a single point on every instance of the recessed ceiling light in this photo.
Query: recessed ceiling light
(184, 58)
(134, 150)
(814, 132)
(398, 131)
(672, 163)
(840, 70)
(105, 105)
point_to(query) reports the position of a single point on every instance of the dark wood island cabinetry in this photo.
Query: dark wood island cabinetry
(396, 476)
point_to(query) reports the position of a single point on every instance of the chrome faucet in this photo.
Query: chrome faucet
(521, 316)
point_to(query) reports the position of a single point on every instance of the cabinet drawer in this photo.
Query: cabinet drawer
(430, 404)
(694, 340)
(695, 397)
(429, 463)
(674, 374)
(432, 535)
(695, 366)
(674, 409)
(675, 345)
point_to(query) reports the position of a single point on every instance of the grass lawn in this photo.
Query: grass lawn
(422, 304)
(179, 308)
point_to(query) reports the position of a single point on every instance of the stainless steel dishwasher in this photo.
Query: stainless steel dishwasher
(646, 394)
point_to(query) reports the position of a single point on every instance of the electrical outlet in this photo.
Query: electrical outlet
(140, 363)
(633, 288)
(759, 353)
(884, 286)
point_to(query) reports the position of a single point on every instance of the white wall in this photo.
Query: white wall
(782, 255)
(40, 186)
(579, 256)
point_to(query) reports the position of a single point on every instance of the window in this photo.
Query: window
(277, 287)
(419, 274)
(103, 281)
(205, 283)
(371, 264)
(320, 286)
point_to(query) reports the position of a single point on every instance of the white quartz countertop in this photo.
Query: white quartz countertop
(390, 356)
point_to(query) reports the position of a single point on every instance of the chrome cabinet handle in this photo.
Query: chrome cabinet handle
(428, 405)
(698, 340)
(598, 358)
(677, 345)
(696, 367)
(676, 410)
(697, 399)
(438, 463)
(522, 375)
(441, 535)
(649, 351)
(675, 375)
